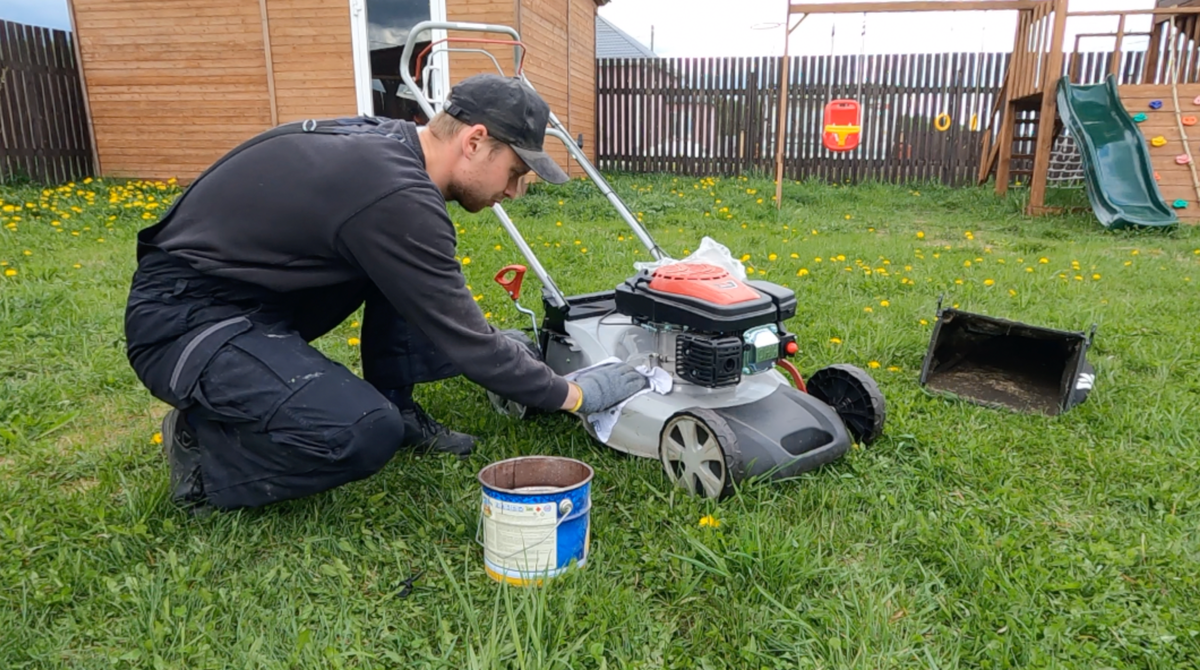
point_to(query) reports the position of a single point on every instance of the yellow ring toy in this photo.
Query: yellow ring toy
(942, 122)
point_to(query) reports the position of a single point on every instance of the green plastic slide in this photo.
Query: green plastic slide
(1116, 162)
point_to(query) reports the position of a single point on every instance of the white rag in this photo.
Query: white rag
(604, 422)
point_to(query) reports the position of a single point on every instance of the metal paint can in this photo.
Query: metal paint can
(535, 517)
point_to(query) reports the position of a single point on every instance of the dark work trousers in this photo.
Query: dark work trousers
(275, 419)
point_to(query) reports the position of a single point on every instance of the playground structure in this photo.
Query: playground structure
(1133, 131)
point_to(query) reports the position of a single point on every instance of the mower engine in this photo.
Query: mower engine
(711, 328)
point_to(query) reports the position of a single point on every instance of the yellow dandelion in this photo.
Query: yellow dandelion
(1078, 278)
(498, 247)
(802, 272)
(873, 365)
(1012, 292)
(1133, 253)
(620, 238)
(156, 438)
(352, 341)
(1043, 260)
(710, 521)
(1028, 269)
(847, 217)
(885, 303)
(893, 368)
(477, 297)
(958, 281)
(817, 259)
(989, 282)
(27, 252)
(1128, 263)
(771, 257)
(1096, 276)
(966, 264)
(77, 266)
(868, 309)
(924, 322)
(487, 315)
(558, 223)
(466, 260)
(583, 250)
(354, 324)
(10, 272)
(561, 202)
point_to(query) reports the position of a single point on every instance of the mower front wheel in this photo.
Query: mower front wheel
(700, 453)
(855, 396)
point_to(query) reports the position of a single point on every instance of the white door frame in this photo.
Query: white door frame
(362, 55)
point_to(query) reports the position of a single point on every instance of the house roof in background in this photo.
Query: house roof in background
(612, 42)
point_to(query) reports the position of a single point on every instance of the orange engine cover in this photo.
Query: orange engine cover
(709, 283)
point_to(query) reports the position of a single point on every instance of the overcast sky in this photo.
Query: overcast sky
(727, 27)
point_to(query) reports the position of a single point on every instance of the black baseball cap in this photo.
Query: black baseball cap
(512, 112)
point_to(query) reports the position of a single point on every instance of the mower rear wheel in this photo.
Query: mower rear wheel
(855, 396)
(700, 453)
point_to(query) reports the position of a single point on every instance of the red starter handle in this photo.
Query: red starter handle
(511, 285)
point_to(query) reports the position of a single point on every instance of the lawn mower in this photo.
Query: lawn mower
(731, 414)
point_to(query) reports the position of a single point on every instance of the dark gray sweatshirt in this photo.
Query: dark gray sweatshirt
(303, 210)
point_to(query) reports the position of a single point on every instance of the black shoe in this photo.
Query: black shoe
(424, 435)
(183, 455)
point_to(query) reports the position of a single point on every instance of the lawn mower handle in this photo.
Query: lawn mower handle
(555, 295)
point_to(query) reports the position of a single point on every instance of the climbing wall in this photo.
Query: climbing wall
(1153, 108)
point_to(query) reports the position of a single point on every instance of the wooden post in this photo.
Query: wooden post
(87, 103)
(266, 33)
(1005, 144)
(1149, 75)
(781, 133)
(1115, 66)
(1048, 113)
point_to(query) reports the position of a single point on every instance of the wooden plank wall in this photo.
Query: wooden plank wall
(313, 59)
(499, 12)
(544, 26)
(172, 88)
(44, 135)
(719, 116)
(581, 108)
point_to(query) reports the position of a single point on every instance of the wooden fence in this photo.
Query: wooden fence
(720, 116)
(43, 120)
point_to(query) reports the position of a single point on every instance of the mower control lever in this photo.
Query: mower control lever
(511, 285)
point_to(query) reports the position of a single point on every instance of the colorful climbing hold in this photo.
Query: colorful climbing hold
(1159, 141)
(1183, 159)
(1196, 101)
(1156, 104)
(1157, 177)
(1180, 204)
(1188, 120)
(1139, 117)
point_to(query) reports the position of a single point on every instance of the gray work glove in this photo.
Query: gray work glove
(524, 340)
(607, 385)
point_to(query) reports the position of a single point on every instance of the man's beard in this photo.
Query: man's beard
(469, 201)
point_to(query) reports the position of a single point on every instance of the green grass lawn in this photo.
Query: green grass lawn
(964, 537)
